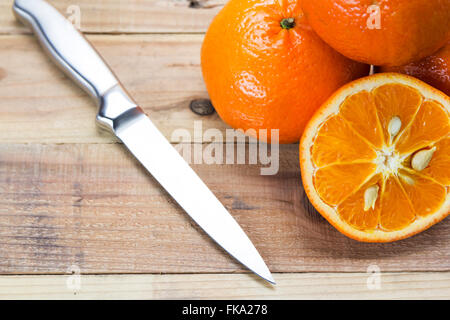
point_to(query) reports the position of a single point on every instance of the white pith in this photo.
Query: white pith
(388, 161)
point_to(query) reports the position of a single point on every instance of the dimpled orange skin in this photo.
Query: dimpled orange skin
(434, 69)
(409, 30)
(262, 76)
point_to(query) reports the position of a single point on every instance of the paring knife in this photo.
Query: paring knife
(124, 118)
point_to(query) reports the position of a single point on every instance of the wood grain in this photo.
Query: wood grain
(128, 16)
(226, 286)
(70, 196)
(92, 205)
(40, 104)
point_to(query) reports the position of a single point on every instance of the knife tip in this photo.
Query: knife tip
(271, 280)
(268, 277)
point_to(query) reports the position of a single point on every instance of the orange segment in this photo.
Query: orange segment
(337, 132)
(396, 100)
(359, 110)
(352, 209)
(430, 125)
(375, 158)
(336, 182)
(439, 166)
(396, 210)
(425, 195)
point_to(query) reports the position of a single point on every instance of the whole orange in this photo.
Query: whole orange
(381, 32)
(434, 69)
(264, 67)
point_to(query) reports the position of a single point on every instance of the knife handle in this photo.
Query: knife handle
(72, 52)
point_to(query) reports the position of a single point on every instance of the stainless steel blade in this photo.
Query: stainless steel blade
(161, 159)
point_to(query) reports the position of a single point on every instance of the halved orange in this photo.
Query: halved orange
(375, 158)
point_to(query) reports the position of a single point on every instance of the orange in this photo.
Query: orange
(375, 158)
(434, 69)
(381, 32)
(264, 67)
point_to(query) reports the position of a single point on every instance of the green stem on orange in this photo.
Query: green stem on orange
(287, 23)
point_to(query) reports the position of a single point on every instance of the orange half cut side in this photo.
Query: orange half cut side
(375, 158)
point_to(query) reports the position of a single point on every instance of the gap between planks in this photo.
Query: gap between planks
(427, 285)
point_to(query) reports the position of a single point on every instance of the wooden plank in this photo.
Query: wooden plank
(127, 16)
(93, 206)
(227, 286)
(40, 104)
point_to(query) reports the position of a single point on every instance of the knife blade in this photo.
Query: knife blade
(123, 117)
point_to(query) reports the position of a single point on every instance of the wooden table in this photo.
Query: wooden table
(73, 200)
